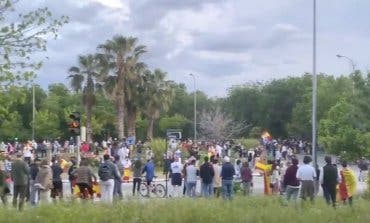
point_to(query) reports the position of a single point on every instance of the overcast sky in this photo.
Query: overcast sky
(222, 42)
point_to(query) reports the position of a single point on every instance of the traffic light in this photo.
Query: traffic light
(74, 125)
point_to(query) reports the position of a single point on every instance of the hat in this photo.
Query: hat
(226, 159)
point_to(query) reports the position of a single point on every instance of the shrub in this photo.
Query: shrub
(159, 147)
(249, 143)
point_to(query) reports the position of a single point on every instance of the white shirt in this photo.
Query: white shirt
(176, 167)
(306, 172)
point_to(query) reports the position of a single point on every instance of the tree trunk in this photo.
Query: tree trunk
(149, 133)
(131, 120)
(88, 124)
(120, 119)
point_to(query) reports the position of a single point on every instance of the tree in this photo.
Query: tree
(158, 97)
(218, 126)
(119, 57)
(84, 77)
(21, 38)
(339, 134)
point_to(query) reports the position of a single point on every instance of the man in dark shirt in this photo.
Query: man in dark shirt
(34, 169)
(329, 179)
(57, 170)
(206, 173)
(227, 175)
(291, 183)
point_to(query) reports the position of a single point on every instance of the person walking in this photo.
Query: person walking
(137, 167)
(84, 179)
(363, 166)
(348, 184)
(44, 180)
(329, 179)
(246, 177)
(227, 175)
(107, 172)
(206, 173)
(306, 174)
(19, 174)
(57, 190)
(290, 182)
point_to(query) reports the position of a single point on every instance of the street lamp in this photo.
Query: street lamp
(195, 109)
(353, 65)
(314, 89)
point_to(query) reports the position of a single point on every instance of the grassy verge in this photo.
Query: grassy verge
(255, 209)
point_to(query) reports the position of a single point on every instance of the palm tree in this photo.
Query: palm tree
(159, 95)
(134, 94)
(120, 57)
(84, 78)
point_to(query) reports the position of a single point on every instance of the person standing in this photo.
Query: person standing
(136, 168)
(71, 176)
(227, 174)
(329, 179)
(348, 184)
(246, 177)
(176, 177)
(19, 174)
(149, 170)
(3, 187)
(34, 193)
(217, 184)
(117, 192)
(108, 172)
(44, 180)
(206, 174)
(57, 189)
(363, 165)
(290, 182)
(84, 179)
(191, 178)
(306, 174)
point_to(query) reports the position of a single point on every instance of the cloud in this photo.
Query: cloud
(222, 42)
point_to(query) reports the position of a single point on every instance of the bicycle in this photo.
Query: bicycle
(157, 189)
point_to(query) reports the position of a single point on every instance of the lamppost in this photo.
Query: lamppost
(195, 108)
(353, 65)
(314, 88)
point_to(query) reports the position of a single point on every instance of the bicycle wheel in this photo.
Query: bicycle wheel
(144, 190)
(160, 190)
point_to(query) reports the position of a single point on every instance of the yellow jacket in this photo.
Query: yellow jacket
(350, 181)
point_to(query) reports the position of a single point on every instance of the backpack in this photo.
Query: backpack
(105, 172)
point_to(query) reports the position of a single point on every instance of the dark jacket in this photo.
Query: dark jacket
(246, 174)
(20, 172)
(290, 177)
(71, 169)
(114, 173)
(330, 175)
(57, 171)
(227, 171)
(207, 173)
(34, 169)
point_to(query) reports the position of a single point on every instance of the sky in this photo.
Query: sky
(222, 42)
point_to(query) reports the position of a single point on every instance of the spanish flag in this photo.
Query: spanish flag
(266, 168)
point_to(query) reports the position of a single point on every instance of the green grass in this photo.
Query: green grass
(254, 209)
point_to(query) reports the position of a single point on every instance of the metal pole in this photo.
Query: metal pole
(314, 89)
(33, 112)
(195, 108)
(353, 66)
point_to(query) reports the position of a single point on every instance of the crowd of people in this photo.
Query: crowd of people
(218, 166)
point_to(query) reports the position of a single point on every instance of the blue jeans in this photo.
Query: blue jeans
(190, 188)
(207, 189)
(227, 189)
